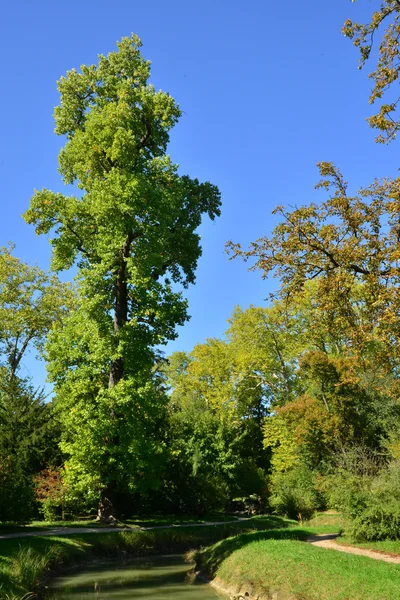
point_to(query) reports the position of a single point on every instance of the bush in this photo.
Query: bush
(347, 482)
(377, 514)
(368, 497)
(293, 493)
(344, 491)
(50, 492)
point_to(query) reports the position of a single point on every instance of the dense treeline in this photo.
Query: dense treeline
(322, 412)
(295, 409)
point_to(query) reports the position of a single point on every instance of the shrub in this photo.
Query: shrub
(50, 493)
(377, 515)
(344, 491)
(347, 481)
(293, 493)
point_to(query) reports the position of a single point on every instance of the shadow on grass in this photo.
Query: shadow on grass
(210, 558)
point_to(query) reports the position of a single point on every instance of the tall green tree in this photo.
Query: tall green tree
(131, 230)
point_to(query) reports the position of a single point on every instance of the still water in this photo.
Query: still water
(157, 577)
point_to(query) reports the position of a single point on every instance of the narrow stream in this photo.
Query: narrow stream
(156, 577)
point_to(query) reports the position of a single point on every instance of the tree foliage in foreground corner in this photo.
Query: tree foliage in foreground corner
(131, 232)
(385, 19)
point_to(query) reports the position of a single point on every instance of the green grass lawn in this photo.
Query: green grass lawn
(275, 562)
(327, 518)
(302, 571)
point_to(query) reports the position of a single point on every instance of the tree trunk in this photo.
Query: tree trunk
(120, 309)
(106, 511)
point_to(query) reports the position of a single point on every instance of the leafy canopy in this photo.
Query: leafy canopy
(385, 19)
(131, 231)
(30, 302)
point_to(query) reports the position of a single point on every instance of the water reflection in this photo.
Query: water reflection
(158, 578)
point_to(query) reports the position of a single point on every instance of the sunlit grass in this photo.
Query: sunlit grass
(266, 563)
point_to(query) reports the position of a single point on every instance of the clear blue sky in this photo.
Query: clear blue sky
(267, 89)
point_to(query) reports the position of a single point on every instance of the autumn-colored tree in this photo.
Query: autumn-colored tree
(349, 245)
(50, 491)
(337, 411)
(383, 31)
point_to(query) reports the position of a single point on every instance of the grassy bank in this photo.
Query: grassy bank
(26, 562)
(276, 564)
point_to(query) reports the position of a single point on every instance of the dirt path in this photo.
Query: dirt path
(328, 541)
(76, 530)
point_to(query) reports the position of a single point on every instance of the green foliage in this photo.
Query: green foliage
(29, 429)
(132, 233)
(279, 438)
(220, 395)
(16, 497)
(50, 491)
(30, 302)
(293, 493)
(203, 461)
(347, 479)
(377, 513)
